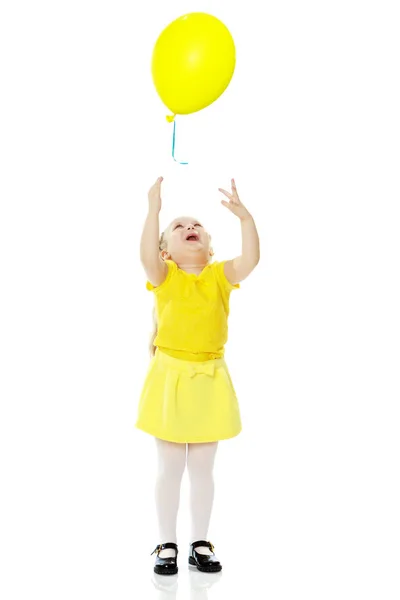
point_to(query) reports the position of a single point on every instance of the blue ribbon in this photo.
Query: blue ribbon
(173, 147)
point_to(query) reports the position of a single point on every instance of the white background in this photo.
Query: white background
(307, 496)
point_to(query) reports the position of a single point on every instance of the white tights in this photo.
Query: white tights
(172, 459)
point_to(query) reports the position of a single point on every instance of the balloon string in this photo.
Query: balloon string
(173, 146)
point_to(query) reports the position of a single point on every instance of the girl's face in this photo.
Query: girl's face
(187, 241)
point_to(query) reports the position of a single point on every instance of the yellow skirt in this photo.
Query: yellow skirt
(188, 402)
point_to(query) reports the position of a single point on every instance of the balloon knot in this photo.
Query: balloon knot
(171, 118)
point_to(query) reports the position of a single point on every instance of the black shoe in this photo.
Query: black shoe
(166, 566)
(203, 562)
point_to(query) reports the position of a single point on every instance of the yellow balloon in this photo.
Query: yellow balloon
(193, 62)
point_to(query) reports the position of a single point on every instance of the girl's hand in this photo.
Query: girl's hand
(155, 196)
(234, 203)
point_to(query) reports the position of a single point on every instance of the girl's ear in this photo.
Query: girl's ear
(164, 255)
(211, 252)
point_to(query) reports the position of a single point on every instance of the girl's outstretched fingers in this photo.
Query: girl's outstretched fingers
(235, 205)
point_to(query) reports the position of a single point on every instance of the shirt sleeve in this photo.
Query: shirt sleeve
(171, 270)
(221, 277)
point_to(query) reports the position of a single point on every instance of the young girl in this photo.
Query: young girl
(188, 402)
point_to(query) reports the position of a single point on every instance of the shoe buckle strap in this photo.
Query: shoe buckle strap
(204, 543)
(167, 545)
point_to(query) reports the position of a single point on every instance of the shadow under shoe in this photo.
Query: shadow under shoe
(200, 581)
(167, 586)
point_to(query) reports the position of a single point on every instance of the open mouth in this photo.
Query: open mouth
(192, 237)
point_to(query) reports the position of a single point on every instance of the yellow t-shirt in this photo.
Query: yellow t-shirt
(192, 312)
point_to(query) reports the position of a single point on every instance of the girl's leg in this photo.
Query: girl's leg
(200, 463)
(171, 465)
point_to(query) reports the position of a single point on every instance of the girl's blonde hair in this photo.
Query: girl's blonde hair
(162, 245)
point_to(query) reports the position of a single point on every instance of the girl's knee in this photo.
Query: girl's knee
(171, 458)
(200, 458)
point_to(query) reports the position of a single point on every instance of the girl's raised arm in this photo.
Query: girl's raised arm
(155, 268)
(239, 268)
